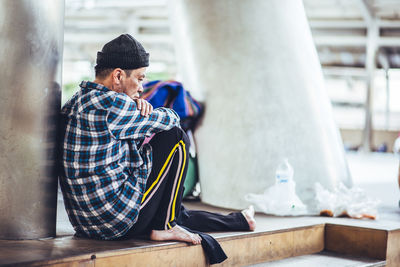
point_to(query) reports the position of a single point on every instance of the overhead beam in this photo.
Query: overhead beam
(351, 24)
(118, 4)
(342, 24)
(355, 41)
(93, 24)
(95, 38)
(344, 71)
(340, 40)
(331, 13)
(388, 23)
(131, 4)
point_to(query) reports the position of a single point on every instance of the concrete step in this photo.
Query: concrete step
(326, 259)
(242, 248)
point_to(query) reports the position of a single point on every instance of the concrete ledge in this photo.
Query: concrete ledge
(249, 248)
(366, 242)
(357, 241)
(242, 248)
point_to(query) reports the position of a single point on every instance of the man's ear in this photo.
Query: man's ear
(117, 76)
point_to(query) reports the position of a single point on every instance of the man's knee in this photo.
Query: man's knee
(175, 134)
(181, 135)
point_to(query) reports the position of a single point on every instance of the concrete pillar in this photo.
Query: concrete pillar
(265, 97)
(370, 66)
(30, 73)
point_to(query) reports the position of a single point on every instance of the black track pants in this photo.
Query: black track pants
(162, 200)
(205, 221)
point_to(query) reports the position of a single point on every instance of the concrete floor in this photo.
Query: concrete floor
(325, 259)
(376, 173)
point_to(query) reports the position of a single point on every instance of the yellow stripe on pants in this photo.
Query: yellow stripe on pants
(179, 183)
(161, 172)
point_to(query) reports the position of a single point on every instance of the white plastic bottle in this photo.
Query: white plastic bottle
(284, 172)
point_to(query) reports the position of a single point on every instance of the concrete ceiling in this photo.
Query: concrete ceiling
(341, 29)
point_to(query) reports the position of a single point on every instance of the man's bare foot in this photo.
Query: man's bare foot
(249, 215)
(176, 233)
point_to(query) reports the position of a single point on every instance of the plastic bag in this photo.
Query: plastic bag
(279, 199)
(345, 202)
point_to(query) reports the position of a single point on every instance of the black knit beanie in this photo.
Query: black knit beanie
(123, 52)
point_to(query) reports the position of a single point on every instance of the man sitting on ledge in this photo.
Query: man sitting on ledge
(125, 163)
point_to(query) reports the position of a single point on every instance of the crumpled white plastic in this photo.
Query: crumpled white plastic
(350, 202)
(280, 199)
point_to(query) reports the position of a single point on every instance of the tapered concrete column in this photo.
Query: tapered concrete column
(31, 41)
(265, 97)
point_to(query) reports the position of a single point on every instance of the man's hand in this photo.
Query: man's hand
(145, 107)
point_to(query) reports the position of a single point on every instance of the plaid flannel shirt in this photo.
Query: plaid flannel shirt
(105, 165)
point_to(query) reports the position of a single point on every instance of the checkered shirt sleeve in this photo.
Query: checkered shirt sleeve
(125, 121)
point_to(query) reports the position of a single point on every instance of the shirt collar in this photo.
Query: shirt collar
(92, 85)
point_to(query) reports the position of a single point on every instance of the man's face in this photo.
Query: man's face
(133, 85)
